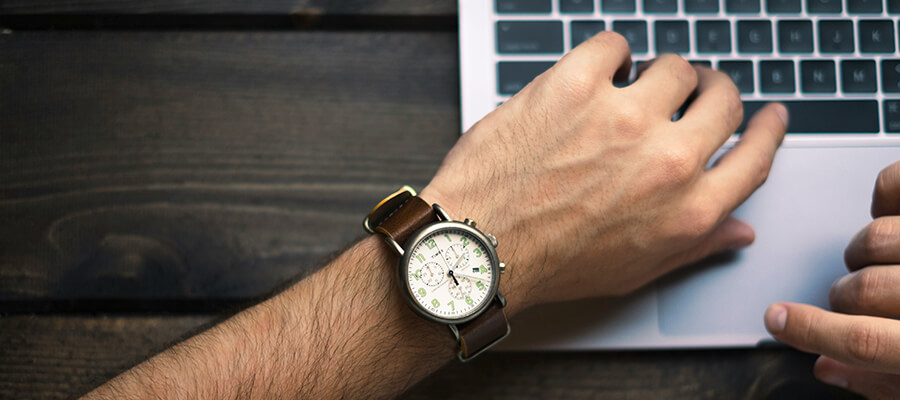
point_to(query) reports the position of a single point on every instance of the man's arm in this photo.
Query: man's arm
(591, 189)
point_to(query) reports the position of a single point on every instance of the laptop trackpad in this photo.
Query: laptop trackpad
(815, 200)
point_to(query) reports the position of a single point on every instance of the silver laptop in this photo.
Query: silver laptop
(834, 63)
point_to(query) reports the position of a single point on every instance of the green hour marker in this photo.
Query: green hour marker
(430, 244)
(469, 300)
(482, 268)
(452, 307)
(435, 303)
(477, 252)
(416, 274)
(422, 292)
(420, 257)
(448, 237)
(479, 285)
(464, 241)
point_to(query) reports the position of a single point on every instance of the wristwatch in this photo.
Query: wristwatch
(449, 270)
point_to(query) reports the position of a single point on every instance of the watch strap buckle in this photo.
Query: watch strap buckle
(386, 207)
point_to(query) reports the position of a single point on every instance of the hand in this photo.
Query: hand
(860, 341)
(591, 189)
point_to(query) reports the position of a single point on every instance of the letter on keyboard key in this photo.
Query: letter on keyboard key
(661, 6)
(835, 36)
(776, 76)
(584, 30)
(617, 6)
(576, 6)
(858, 76)
(876, 36)
(824, 116)
(864, 6)
(783, 6)
(795, 36)
(701, 6)
(817, 76)
(754, 36)
(512, 76)
(741, 72)
(529, 37)
(522, 6)
(823, 6)
(635, 32)
(892, 116)
(672, 37)
(713, 37)
(890, 76)
(742, 6)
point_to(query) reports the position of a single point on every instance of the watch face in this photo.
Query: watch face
(450, 274)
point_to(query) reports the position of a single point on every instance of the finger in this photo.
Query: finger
(886, 199)
(715, 113)
(743, 169)
(877, 243)
(605, 54)
(871, 291)
(665, 84)
(862, 341)
(872, 385)
(731, 234)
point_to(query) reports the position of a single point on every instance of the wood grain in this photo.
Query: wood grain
(195, 165)
(58, 356)
(274, 7)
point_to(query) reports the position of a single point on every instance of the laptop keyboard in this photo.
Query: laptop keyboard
(833, 63)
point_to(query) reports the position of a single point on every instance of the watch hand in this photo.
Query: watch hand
(477, 278)
(458, 260)
(454, 277)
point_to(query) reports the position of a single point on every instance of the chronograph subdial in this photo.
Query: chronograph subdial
(433, 274)
(456, 256)
(461, 291)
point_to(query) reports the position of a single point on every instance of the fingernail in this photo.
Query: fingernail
(835, 380)
(776, 318)
(782, 112)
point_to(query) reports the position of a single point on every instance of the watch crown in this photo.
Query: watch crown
(502, 268)
(469, 222)
(493, 240)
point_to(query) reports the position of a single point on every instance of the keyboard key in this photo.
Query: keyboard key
(776, 76)
(617, 6)
(635, 32)
(835, 36)
(893, 6)
(576, 6)
(824, 6)
(892, 116)
(741, 72)
(584, 30)
(783, 6)
(522, 6)
(701, 63)
(858, 76)
(661, 6)
(713, 37)
(824, 116)
(890, 76)
(864, 6)
(742, 6)
(876, 36)
(795, 36)
(512, 76)
(529, 37)
(672, 37)
(701, 6)
(754, 36)
(817, 76)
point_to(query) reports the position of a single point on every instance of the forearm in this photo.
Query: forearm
(344, 332)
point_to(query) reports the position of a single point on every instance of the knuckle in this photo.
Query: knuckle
(698, 220)
(613, 40)
(681, 69)
(876, 234)
(678, 164)
(863, 343)
(867, 285)
(630, 119)
(761, 169)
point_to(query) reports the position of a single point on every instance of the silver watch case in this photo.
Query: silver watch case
(492, 256)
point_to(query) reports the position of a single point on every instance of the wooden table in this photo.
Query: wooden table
(163, 162)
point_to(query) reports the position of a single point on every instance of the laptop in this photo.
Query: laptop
(834, 63)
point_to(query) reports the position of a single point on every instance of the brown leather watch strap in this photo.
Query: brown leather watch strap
(482, 332)
(412, 216)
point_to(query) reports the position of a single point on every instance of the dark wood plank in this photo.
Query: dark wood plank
(56, 356)
(272, 7)
(206, 165)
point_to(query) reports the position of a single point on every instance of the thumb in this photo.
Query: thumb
(872, 385)
(730, 234)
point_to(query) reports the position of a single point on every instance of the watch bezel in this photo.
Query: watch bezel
(428, 231)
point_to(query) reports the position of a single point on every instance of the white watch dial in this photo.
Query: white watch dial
(450, 273)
